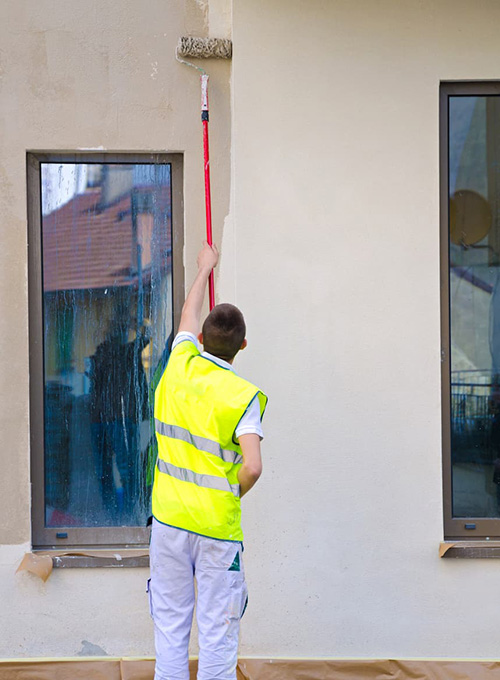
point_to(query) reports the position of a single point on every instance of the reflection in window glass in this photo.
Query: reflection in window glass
(107, 313)
(474, 195)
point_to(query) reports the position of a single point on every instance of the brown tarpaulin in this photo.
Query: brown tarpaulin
(258, 669)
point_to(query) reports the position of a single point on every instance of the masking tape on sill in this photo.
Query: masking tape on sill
(41, 563)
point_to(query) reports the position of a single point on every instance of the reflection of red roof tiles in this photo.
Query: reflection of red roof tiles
(85, 247)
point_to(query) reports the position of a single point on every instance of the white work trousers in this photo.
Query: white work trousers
(175, 557)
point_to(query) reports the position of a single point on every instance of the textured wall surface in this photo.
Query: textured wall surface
(76, 76)
(335, 221)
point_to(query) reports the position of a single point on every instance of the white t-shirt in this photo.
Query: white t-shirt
(250, 422)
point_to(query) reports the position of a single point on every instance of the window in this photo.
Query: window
(470, 200)
(105, 238)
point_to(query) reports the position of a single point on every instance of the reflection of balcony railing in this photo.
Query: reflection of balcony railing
(466, 274)
(475, 417)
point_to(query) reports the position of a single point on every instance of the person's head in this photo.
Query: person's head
(117, 331)
(223, 332)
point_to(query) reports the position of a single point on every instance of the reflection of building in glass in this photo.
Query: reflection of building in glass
(106, 265)
(474, 156)
(62, 181)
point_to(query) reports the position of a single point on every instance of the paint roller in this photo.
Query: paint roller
(205, 48)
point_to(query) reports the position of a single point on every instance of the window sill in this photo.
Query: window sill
(469, 549)
(66, 559)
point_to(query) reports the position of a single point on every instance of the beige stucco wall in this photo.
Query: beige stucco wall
(331, 247)
(335, 217)
(86, 75)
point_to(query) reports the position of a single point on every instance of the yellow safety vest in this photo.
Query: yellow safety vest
(198, 405)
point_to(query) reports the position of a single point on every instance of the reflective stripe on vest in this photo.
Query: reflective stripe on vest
(206, 481)
(200, 443)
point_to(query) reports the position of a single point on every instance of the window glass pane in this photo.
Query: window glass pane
(107, 316)
(474, 195)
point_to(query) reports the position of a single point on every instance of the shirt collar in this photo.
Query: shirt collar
(218, 361)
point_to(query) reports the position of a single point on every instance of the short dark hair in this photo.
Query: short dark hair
(224, 331)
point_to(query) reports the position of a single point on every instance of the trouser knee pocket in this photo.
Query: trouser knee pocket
(238, 596)
(150, 596)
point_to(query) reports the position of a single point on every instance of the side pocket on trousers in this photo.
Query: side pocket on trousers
(244, 599)
(150, 596)
(238, 597)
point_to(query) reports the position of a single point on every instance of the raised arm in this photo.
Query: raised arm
(191, 311)
(251, 469)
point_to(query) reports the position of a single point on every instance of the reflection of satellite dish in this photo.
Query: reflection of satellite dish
(470, 217)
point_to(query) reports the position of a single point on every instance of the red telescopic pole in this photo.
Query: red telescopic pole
(208, 203)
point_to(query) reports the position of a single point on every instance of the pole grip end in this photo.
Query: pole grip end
(204, 92)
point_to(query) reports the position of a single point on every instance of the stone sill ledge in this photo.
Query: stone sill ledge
(133, 558)
(469, 549)
(120, 557)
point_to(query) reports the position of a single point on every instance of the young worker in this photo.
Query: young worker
(207, 422)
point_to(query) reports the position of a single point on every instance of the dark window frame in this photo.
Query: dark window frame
(454, 528)
(81, 537)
